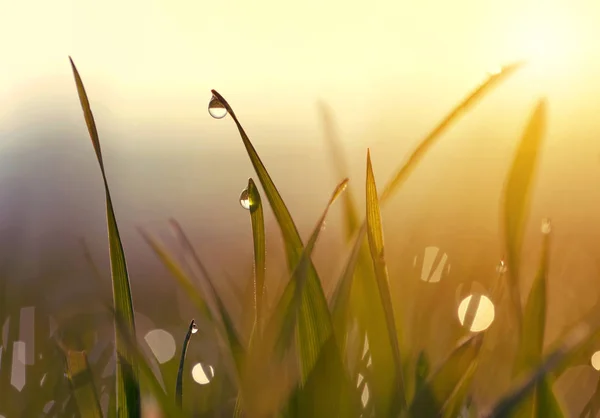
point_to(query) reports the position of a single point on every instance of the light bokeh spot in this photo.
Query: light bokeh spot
(479, 314)
(595, 360)
(434, 264)
(162, 344)
(202, 374)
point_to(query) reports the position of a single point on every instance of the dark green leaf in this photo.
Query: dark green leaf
(128, 392)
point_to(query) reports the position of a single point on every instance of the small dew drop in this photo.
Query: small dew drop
(546, 226)
(501, 268)
(194, 328)
(245, 199)
(216, 109)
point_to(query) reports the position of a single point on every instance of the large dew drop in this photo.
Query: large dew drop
(216, 109)
(245, 199)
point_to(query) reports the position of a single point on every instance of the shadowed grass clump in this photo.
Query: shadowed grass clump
(349, 355)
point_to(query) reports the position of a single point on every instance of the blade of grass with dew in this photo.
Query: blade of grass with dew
(375, 238)
(529, 355)
(315, 322)
(82, 383)
(517, 197)
(259, 240)
(341, 167)
(128, 391)
(441, 389)
(186, 342)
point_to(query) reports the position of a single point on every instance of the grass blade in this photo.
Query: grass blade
(179, 386)
(375, 237)
(128, 392)
(341, 167)
(315, 321)
(440, 391)
(517, 197)
(131, 349)
(293, 297)
(82, 382)
(463, 107)
(574, 341)
(541, 401)
(259, 239)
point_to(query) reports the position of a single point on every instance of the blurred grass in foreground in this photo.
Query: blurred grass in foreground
(348, 354)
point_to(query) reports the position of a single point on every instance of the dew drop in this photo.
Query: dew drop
(546, 226)
(216, 109)
(501, 268)
(194, 328)
(245, 199)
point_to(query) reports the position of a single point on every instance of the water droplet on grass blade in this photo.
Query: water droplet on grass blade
(245, 199)
(546, 226)
(501, 268)
(216, 109)
(194, 328)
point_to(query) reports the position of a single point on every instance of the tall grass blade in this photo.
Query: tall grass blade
(314, 322)
(82, 383)
(375, 237)
(179, 385)
(259, 239)
(531, 344)
(341, 167)
(128, 392)
(517, 197)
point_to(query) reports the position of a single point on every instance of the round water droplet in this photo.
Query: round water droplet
(216, 109)
(245, 199)
(546, 226)
(501, 268)
(194, 328)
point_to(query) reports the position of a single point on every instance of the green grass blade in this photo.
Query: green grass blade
(128, 392)
(375, 237)
(315, 321)
(179, 386)
(341, 168)
(442, 387)
(579, 337)
(517, 197)
(259, 239)
(531, 344)
(293, 297)
(462, 108)
(179, 274)
(541, 401)
(82, 383)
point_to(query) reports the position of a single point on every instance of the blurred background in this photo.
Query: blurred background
(387, 70)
